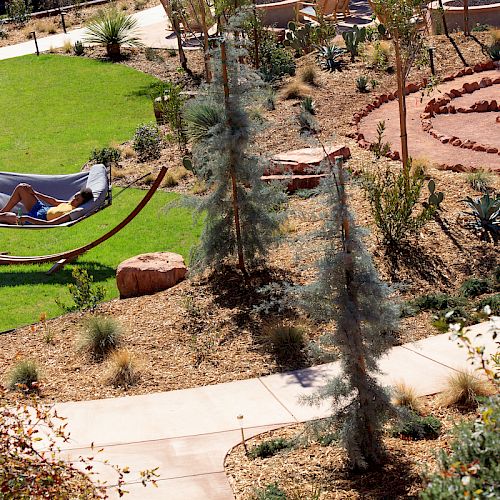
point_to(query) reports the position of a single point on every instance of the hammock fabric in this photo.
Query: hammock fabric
(61, 187)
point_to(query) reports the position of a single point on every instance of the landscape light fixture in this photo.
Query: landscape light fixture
(431, 59)
(62, 20)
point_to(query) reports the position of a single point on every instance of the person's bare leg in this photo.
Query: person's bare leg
(22, 194)
(8, 218)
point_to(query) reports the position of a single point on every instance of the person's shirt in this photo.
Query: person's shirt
(59, 210)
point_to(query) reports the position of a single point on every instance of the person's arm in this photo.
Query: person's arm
(40, 222)
(50, 200)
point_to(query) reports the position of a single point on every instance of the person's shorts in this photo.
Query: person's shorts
(39, 210)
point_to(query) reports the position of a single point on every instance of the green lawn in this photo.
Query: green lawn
(55, 109)
(26, 291)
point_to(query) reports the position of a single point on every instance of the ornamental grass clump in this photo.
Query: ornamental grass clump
(112, 29)
(406, 396)
(464, 389)
(123, 369)
(100, 336)
(24, 376)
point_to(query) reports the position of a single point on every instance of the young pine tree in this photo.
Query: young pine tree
(243, 213)
(349, 293)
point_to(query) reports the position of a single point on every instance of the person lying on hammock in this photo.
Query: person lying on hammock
(42, 209)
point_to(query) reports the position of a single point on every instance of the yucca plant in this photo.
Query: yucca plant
(329, 57)
(200, 118)
(113, 28)
(486, 214)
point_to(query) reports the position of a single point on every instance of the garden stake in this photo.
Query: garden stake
(36, 43)
(431, 60)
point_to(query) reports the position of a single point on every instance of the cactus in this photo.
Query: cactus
(299, 38)
(188, 164)
(382, 31)
(352, 40)
(435, 199)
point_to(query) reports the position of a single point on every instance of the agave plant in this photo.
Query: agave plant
(112, 28)
(486, 214)
(329, 56)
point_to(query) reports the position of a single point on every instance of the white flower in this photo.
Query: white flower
(487, 310)
(449, 314)
(466, 480)
(455, 327)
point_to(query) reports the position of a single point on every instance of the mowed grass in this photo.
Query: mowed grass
(27, 291)
(56, 109)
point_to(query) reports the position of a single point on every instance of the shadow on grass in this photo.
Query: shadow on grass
(98, 271)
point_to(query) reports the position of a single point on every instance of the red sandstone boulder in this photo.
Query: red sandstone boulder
(478, 147)
(470, 87)
(485, 82)
(492, 150)
(493, 106)
(480, 107)
(149, 273)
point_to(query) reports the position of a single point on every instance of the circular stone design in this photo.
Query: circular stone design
(422, 142)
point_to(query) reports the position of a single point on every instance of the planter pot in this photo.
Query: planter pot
(113, 50)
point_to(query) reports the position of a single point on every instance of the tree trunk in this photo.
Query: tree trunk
(232, 162)
(466, 18)
(405, 158)
(206, 54)
(255, 37)
(174, 19)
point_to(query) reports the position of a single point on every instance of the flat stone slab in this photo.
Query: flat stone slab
(149, 273)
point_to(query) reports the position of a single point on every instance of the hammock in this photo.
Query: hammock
(61, 187)
(64, 257)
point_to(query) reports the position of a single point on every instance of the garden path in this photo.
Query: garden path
(152, 24)
(187, 433)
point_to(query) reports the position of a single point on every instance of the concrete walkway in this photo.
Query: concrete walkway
(153, 32)
(187, 433)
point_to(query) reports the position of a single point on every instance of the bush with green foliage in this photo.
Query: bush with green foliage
(147, 142)
(275, 61)
(362, 84)
(269, 448)
(100, 336)
(493, 301)
(270, 492)
(473, 287)
(480, 181)
(106, 156)
(436, 302)
(352, 39)
(414, 426)
(19, 10)
(393, 197)
(85, 295)
(380, 148)
(494, 50)
(24, 376)
(471, 469)
(112, 29)
(3, 34)
(286, 341)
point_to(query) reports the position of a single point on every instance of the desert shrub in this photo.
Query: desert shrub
(286, 341)
(406, 396)
(307, 122)
(111, 29)
(308, 105)
(201, 118)
(67, 47)
(308, 75)
(443, 320)
(362, 84)
(473, 287)
(378, 55)
(24, 376)
(414, 426)
(19, 10)
(463, 389)
(471, 469)
(393, 197)
(106, 156)
(436, 302)
(100, 336)
(3, 34)
(295, 90)
(269, 448)
(199, 187)
(275, 61)
(480, 181)
(480, 28)
(270, 492)
(380, 147)
(494, 50)
(493, 301)
(147, 142)
(123, 370)
(83, 292)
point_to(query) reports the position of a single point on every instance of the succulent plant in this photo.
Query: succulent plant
(435, 199)
(329, 56)
(486, 214)
(352, 40)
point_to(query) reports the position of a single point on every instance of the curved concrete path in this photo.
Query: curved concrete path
(422, 144)
(187, 433)
(153, 32)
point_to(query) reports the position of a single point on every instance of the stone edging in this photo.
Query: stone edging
(442, 106)
(411, 88)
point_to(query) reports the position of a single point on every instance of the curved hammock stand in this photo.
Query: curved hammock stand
(65, 257)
